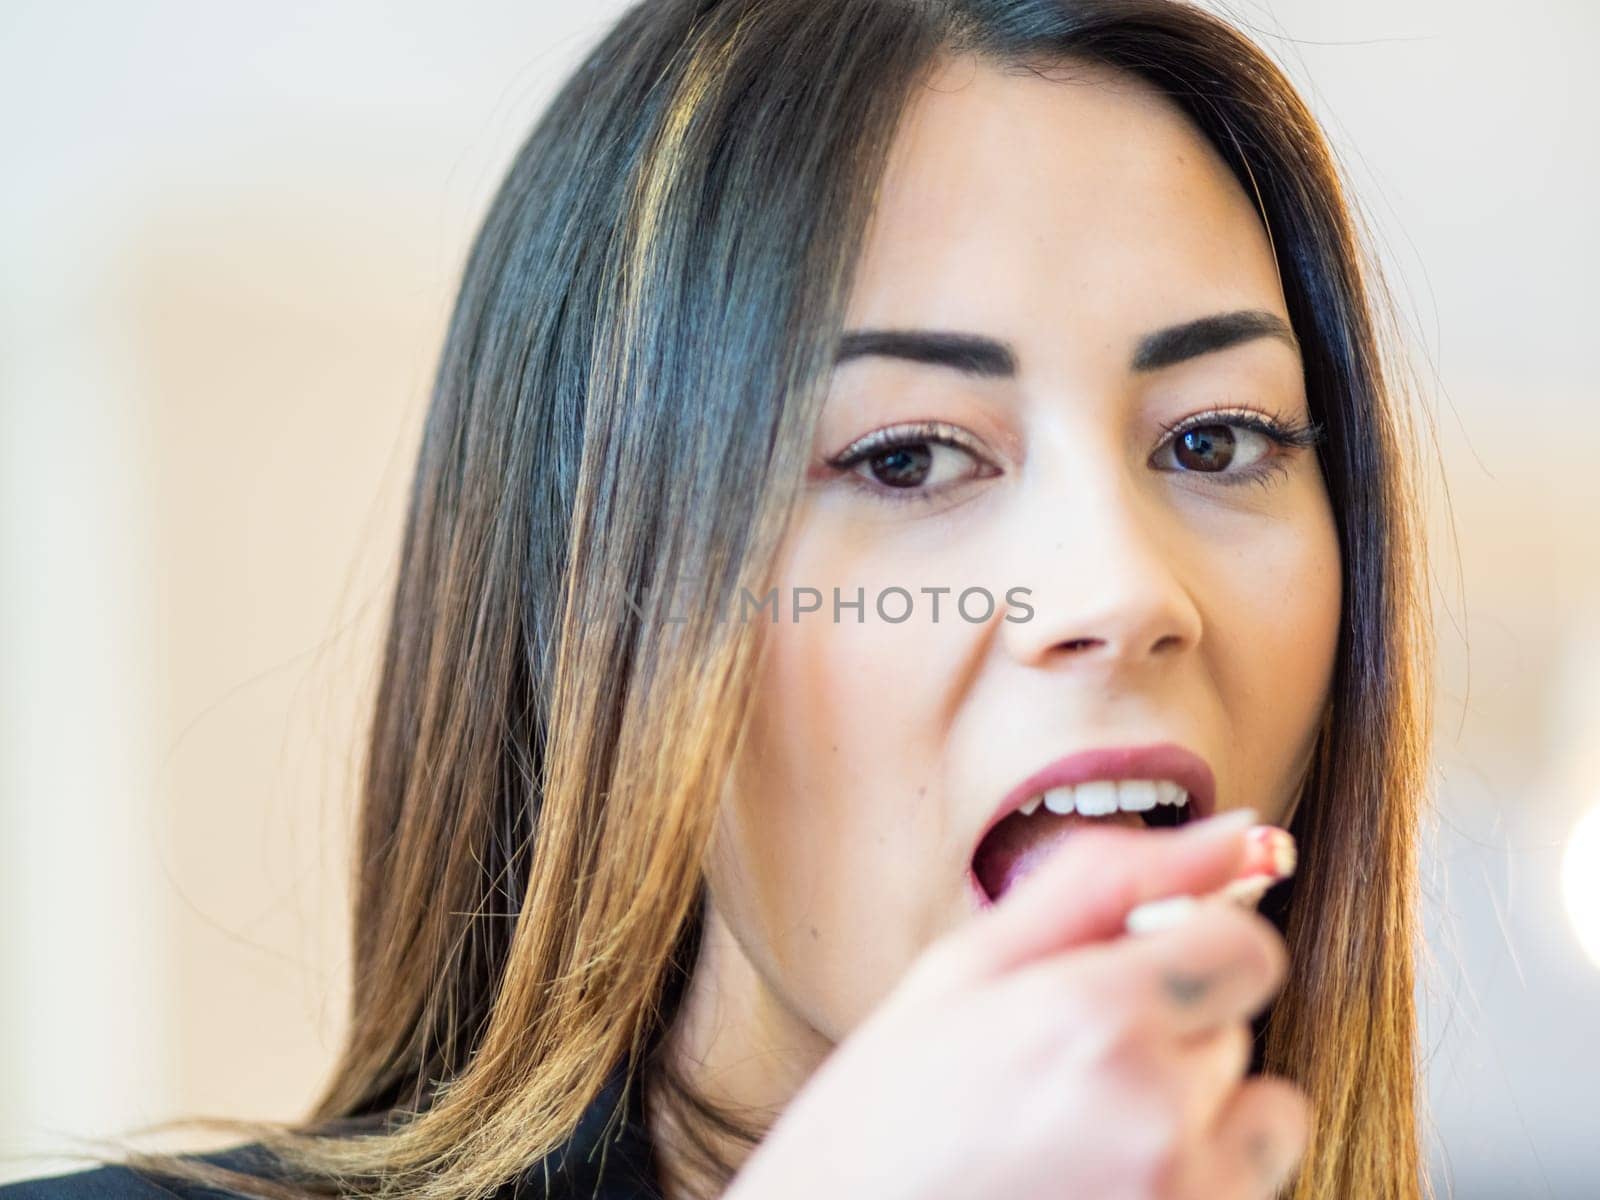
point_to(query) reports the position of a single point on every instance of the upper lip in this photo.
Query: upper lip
(1159, 760)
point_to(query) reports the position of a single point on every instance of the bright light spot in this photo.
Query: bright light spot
(1580, 881)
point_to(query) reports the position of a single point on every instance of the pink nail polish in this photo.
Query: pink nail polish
(1269, 857)
(1271, 852)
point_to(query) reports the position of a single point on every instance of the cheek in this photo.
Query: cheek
(833, 813)
(1276, 629)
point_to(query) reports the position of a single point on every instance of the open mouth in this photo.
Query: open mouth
(1027, 836)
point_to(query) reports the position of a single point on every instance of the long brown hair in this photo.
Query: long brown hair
(618, 427)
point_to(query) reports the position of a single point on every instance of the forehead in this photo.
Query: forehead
(1013, 200)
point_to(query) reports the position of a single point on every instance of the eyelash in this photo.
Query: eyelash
(1283, 432)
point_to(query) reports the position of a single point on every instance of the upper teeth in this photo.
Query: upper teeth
(1096, 797)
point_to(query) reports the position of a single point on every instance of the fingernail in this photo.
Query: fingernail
(1270, 852)
(1159, 914)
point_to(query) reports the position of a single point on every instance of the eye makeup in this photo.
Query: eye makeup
(905, 441)
(909, 444)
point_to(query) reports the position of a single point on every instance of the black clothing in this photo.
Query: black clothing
(594, 1164)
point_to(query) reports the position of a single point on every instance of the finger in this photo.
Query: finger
(1269, 857)
(1204, 1075)
(1221, 965)
(1197, 1077)
(1083, 891)
(1255, 1147)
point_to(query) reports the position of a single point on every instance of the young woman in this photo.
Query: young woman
(860, 419)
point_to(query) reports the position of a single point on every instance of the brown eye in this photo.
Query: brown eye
(1233, 447)
(1206, 448)
(913, 462)
(903, 467)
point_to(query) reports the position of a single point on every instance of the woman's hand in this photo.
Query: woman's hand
(1039, 1053)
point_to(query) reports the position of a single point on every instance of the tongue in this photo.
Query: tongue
(1016, 846)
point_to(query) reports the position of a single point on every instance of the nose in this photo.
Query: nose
(1108, 587)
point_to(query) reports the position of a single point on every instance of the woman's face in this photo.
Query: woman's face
(1181, 590)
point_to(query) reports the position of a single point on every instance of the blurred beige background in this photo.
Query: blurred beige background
(229, 239)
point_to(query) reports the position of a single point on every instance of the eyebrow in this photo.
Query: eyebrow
(989, 358)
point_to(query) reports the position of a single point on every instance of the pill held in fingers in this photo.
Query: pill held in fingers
(1270, 856)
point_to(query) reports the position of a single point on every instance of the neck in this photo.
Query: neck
(739, 1046)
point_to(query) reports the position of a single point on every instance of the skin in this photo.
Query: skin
(1068, 217)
